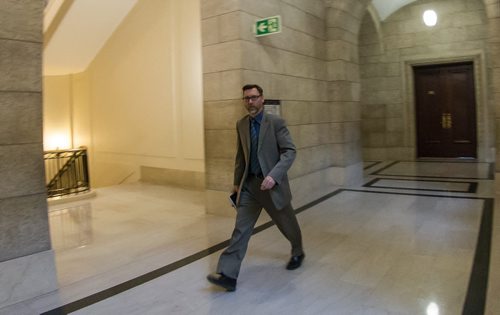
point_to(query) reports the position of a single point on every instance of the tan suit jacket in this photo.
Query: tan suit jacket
(276, 153)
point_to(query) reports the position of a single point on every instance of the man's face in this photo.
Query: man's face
(254, 102)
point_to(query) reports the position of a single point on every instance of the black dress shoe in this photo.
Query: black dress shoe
(222, 281)
(295, 262)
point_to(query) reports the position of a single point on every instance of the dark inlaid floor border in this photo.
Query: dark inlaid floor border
(475, 300)
(472, 185)
(490, 176)
(372, 164)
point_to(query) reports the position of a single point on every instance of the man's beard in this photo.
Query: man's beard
(252, 110)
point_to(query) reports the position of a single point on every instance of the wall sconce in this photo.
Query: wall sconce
(430, 17)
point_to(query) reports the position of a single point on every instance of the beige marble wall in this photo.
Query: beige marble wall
(493, 13)
(26, 261)
(178, 178)
(389, 48)
(309, 66)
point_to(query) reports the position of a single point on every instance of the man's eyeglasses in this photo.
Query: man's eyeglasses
(252, 98)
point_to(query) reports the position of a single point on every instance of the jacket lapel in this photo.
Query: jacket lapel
(264, 124)
(245, 137)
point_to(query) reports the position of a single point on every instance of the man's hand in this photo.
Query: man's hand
(267, 183)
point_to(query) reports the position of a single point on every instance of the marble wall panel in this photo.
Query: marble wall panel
(352, 154)
(262, 58)
(220, 144)
(212, 86)
(493, 10)
(494, 54)
(311, 159)
(474, 5)
(461, 19)
(321, 112)
(303, 66)
(476, 32)
(222, 57)
(496, 80)
(230, 26)
(343, 20)
(181, 178)
(30, 12)
(395, 125)
(393, 139)
(22, 170)
(313, 186)
(373, 125)
(382, 97)
(310, 135)
(374, 153)
(224, 85)
(344, 91)
(374, 139)
(334, 33)
(351, 132)
(381, 83)
(24, 226)
(223, 114)
(20, 66)
(295, 88)
(343, 70)
(338, 111)
(342, 50)
(300, 20)
(351, 111)
(337, 133)
(263, 79)
(219, 174)
(295, 41)
(208, 35)
(402, 41)
(21, 118)
(261, 8)
(315, 8)
(210, 8)
(296, 112)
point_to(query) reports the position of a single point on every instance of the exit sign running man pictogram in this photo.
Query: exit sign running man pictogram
(267, 26)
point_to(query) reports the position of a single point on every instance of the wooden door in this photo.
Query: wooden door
(445, 111)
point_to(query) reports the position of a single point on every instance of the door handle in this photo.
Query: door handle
(446, 121)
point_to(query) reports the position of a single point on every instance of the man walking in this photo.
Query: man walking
(264, 154)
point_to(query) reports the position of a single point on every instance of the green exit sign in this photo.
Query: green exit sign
(267, 26)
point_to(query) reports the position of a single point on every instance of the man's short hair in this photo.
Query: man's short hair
(253, 86)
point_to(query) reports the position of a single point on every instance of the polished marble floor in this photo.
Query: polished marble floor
(415, 238)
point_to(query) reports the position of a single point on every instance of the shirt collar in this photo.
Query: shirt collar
(259, 116)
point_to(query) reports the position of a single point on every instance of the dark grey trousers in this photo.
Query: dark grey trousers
(252, 200)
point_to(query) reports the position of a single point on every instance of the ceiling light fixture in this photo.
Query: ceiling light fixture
(430, 17)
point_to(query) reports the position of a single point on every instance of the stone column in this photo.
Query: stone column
(222, 79)
(321, 109)
(343, 23)
(493, 13)
(27, 266)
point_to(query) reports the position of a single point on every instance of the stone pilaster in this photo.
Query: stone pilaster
(26, 259)
(320, 106)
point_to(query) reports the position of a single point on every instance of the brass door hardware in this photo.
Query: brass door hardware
(446, 121)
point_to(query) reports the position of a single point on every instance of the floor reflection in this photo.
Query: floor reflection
(71, 227)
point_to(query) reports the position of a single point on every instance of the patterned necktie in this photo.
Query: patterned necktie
(254, 144)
